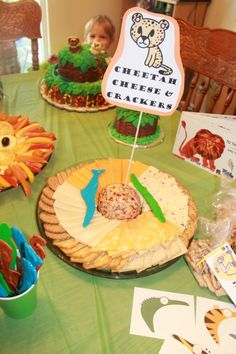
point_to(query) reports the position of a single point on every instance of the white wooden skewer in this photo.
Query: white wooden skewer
(133, 148)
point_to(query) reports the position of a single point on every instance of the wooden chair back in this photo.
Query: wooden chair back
(21, 19)
(209, 59)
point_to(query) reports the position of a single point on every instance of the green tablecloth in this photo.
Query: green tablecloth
(77, 312)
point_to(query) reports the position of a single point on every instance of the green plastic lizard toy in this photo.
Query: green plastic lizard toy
(148, 197)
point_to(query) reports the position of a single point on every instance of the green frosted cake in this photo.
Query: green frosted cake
(123, 129)
(73, 80)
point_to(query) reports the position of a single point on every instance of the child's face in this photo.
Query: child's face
(98, 34)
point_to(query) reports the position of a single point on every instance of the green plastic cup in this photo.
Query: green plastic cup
(22, 305)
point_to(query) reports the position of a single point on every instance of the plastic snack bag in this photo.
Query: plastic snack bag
(216, 231)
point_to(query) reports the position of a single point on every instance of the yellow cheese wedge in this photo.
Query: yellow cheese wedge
(115, 170)
(85, 172)
(92, 165)
(138, 168)
(104, 178)
(101, 164)
(151, 233)
(75, 181)
(124, 169)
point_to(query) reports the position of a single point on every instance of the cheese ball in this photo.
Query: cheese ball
(119, 202)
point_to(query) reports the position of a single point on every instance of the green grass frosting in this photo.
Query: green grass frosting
(133, 117)
(52, 78)
(83, 60)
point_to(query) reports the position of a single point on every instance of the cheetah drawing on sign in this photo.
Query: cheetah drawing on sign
(149, 33)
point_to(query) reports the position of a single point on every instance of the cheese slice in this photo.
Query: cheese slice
(69, 194)
(115, 166)
(93, 234)
(138, 168)
(165, 189)
(85, 172)
(76, 181)
(151, 232)
(80, 178)
(104, 178)
(162, 254)
(124, 169)
(92, 165)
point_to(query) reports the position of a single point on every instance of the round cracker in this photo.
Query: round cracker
(54, 229)
(46, 200)
(48, 218)
(48, 192)
(62, 236)
(53, 182)
(46, 207)
(67, 244)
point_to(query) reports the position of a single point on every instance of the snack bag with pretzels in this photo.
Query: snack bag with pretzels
(216, 231)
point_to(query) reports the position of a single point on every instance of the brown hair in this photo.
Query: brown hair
(103, 20)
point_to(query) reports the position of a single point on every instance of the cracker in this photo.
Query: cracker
(48, 192)
(200, 279)
(82, 252)
(53, 183)
(215, 282)
(57, 236)
(70, 170)
(48, 218)
(87, 259)
(101, 262)
(220, 292)
(46, 200)
(67, 244)
(115, 262)
(116, 267)
(71, 251)
(62, 176)
(54, 229)
(207, 279)
(46, 207)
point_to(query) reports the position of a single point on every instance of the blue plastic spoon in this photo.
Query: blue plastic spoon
(29, 275)
(29, 252)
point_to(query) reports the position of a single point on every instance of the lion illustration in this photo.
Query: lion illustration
(149, 33)
(209, 146)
